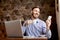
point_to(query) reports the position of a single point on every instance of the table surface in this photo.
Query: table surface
(40, 38)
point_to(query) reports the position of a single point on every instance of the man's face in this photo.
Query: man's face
(36, 12)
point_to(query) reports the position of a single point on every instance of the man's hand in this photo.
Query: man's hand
(48, 22)
(27, 22)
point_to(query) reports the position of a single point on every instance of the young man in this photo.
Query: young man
(35, 26)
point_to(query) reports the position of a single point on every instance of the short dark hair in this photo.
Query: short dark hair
(35, 7)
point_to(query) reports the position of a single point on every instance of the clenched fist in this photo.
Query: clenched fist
(27, 22)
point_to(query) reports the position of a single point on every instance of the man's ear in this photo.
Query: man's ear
(31, 13)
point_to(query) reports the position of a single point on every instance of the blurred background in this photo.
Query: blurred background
(21, 9)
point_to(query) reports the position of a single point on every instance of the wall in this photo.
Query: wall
(16, 9)
(58, 16)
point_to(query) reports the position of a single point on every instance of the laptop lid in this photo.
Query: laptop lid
(13, 28)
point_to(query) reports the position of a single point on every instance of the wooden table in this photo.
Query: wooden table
(41, 38)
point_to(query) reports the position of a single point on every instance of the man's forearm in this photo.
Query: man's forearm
(48, 33)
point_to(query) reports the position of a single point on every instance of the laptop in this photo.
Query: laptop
(13, 28)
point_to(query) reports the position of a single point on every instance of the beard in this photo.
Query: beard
(36, 15)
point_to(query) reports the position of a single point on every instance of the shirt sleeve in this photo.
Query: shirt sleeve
(46, 31)
(23, 28)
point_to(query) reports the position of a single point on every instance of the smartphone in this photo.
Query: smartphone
(49, 17)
